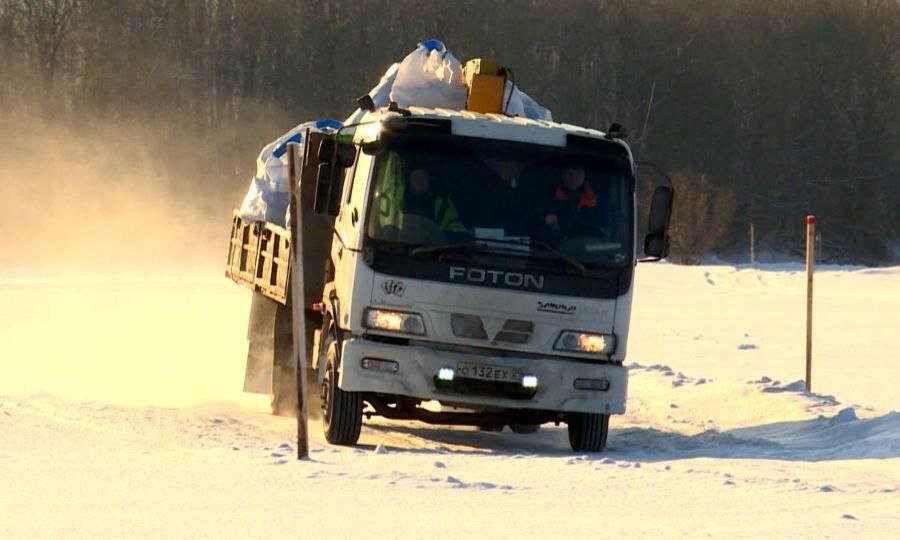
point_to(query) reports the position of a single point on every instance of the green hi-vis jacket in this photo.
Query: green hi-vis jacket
(389, 197)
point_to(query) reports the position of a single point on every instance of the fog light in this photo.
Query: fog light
(600, 385)
(529, 381)
(446, 374)
(380, 365)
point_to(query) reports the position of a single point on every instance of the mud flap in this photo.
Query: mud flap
(269, 336)
(284, 390)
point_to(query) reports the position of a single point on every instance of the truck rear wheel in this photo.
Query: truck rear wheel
(588, 432)
(341, 411)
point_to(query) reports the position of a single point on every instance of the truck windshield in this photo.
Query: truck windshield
(467, 195)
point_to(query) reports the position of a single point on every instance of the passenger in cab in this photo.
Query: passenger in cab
(574, 210)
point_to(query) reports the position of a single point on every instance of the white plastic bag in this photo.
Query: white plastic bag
(521, 104)
(267, 199)
(381, 94)
(430, 76)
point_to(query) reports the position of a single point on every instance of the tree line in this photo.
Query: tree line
(761, 111)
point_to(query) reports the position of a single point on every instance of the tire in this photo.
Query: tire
(588, 432)
(525, 429)
(341, 411)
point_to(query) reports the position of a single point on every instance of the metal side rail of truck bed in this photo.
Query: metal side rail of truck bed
(259, 257)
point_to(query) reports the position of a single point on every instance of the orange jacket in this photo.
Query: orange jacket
(587, 200)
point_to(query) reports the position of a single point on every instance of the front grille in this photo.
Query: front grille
(514, 331)
(467, 326)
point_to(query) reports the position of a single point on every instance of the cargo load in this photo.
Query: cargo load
(267, 198)
(430, 76)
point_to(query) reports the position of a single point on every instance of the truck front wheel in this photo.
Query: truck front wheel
(341, 411)
(588, 432)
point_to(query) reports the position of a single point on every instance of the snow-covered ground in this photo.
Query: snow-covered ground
(121, 415)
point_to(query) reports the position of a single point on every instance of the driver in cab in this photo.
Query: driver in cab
(421, 200)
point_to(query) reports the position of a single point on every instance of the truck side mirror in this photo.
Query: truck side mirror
(323, 187)
(656, 243)
(329, 184)
(338, 154)
(370, 148)
(333, 159)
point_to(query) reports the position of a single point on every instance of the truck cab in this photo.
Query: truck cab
(480, 271)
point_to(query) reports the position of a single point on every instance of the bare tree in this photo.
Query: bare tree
(788, 107)
(46, 25)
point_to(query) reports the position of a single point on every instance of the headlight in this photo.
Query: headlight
(393, 321)
(585, 342)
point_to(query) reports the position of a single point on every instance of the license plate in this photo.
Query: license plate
(485, 372)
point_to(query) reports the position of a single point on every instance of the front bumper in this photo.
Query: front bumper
(419, 365)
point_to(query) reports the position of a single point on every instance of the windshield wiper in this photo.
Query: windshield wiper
(571, 261)
(562, 256)
(459, 247)
(473, 246)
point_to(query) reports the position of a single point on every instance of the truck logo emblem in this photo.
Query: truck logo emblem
(392, 286)
(496, 277)
(557, 307)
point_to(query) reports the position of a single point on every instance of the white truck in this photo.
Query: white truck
(481, 262)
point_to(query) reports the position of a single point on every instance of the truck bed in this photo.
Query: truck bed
(259, 257)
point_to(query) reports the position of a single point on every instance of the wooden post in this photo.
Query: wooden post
(297, 301)
(752, 244)
(810, 270)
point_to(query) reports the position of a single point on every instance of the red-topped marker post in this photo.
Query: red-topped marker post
(810, 269)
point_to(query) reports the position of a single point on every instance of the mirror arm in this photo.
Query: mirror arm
(656, 168)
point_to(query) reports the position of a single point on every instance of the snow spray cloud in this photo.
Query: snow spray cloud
(107, 197)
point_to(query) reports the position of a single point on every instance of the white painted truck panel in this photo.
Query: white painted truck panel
(357, 287)
(419, 365)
